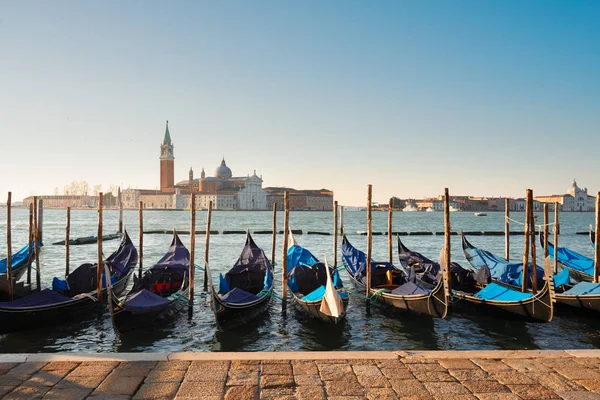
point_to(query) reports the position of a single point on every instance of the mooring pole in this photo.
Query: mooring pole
(341, 220)
(207, 244)
(284, 263)
(9, 247)
(191, 272)
(545, 230)
(67, 238)
(40, 223)
(597, 241)
(447, 233)
(141, 250)
(390, 213)
(120, 199)
(527, 225)
(31, 243)
(556, 225)
(369, 240)
(274, 238)
(335, 234)
(507, 229)
(533, 246)
(100, 263)
(36, 234)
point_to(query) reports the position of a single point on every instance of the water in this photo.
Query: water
(381, 329)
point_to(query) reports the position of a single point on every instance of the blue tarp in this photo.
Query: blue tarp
(497, 292)
(298, 255)
(318, 294)
(44, 298)
(573, 260)
(356, 261)
(17, 259)
(410, 288)
(145, 301)
(223, 284)
(500, 269)
(562, 278)
(238, 296)
(583, 288)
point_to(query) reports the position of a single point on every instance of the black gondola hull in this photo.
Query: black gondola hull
(230, 316)
(126, 321)
(313, 309)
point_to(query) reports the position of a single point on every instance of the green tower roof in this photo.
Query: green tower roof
(167, 135)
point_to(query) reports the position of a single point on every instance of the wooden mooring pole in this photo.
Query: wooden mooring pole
(274, 238)
(390, 216)
(597, 241)
(36, 237)
(369, 240)
(40, 222)
(533, 246)
(447, 233)
(100, 261)
(31, 244)
(556, 227)
(545, 230)
(67, 238)
(286, 232)
(507, 229)
(525, 272)
(141, 246)
(207, 244)
(9, 246)
(341, 220)
(192, 267)
(335, 233)
(120, 200)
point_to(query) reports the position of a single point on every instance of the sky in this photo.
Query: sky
(486, 98)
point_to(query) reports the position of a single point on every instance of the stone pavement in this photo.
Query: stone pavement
(443, 375)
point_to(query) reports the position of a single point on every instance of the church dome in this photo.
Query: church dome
(223, 171)
(574, 189)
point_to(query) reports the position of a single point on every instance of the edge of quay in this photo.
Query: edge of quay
(300, 355)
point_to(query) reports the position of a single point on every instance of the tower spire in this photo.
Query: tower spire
(167, 134)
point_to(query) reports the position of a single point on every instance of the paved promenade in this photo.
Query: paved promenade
(453, 375)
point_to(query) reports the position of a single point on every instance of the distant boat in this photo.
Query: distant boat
(429, 209)
(453, 209)
(410, 208)
(480, 214)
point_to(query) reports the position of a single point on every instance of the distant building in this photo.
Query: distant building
(74, 201)
(576, 199)
(310, 200)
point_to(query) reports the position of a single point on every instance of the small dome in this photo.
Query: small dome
(223, 171)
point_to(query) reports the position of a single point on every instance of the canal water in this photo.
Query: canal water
(380, 329)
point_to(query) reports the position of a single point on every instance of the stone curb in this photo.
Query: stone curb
(305, 355)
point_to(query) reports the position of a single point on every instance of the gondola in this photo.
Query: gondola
(160, 294)
(245, 291)
(72, 297)
(20, 263)
(496, 284)
(570, 291)
(89, 239)
(393, 286)
(316, 288)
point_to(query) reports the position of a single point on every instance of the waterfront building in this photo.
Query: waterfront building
(73, 201)
(576, 199)
(312, 200)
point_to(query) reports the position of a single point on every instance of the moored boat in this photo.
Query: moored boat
(75, 296)
(393, 286)
(20, 262)
(316, 288)
(246, 289)
(160, 294)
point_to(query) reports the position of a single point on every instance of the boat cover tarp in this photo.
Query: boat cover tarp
(497, 292)
(562, 278)
(410, 288)
(17, 259)
(500, 269)
(248, 273)
(126, 256)
(306, 272)
(43, 298)
(572, 259)
(238, 296)
(409, 258)
(145, 301)
(583, 288)
(177, 256)
(298, 255)
(382, 273)
(318, 294)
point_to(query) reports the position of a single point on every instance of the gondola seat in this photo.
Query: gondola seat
(42, 298)
(238, 296)
(145, 301)
(497, 292)
(584, 288)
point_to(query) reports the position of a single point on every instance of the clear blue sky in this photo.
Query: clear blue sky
(483, 97)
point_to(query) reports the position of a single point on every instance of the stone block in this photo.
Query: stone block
(579, 396)
(304, 368)
(485, 386)
(158, 390)
(367, 370)
(46, 378)
(491, 365)
(242, 393)
(526, 365)
(80, 381)
(381, 394)
(90, 370)
(274, 381)
(117, 384)
(533, 392)
(26, 393)
(497, 396)
(425, 367)
(409, 387)
(470, 374)
(310, 393)
(330, 372)
(554, 381)
(373, 381)
(457, 363)
(438, 389)
(512, 377)
(308, 380)
(67, 394)
(193, 390)
(592, 385)
(61, 365)
(241, 377)
(433, 376)
(173, 365)
(344, 388)
(277, 394)
(165, 376)
(204, 375)
(276, 369)
(26, 368)
(397, 373)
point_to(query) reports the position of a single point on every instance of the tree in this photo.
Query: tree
(97, 189)
(114, 189)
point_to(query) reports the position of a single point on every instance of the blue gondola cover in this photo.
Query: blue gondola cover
(410, 288)
(497, 292)
(562, 278)
(145, 301)
(238, 296)
(42, 298)
(583, 288)
(572, 259)
(17, 259)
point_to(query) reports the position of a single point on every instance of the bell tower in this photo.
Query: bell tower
(167, 163)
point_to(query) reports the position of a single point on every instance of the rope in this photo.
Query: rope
(375, 296)
(274, 264)
(180, 297)
(269, 293)
(523, 223)
(198, 267)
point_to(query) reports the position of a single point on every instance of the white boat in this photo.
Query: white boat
(429, 209)
(480, 214)
(452, 209)
(410, 208)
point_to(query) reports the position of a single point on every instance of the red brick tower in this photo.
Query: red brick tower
(167, 164)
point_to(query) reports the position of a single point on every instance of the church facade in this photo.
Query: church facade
(576, 199)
